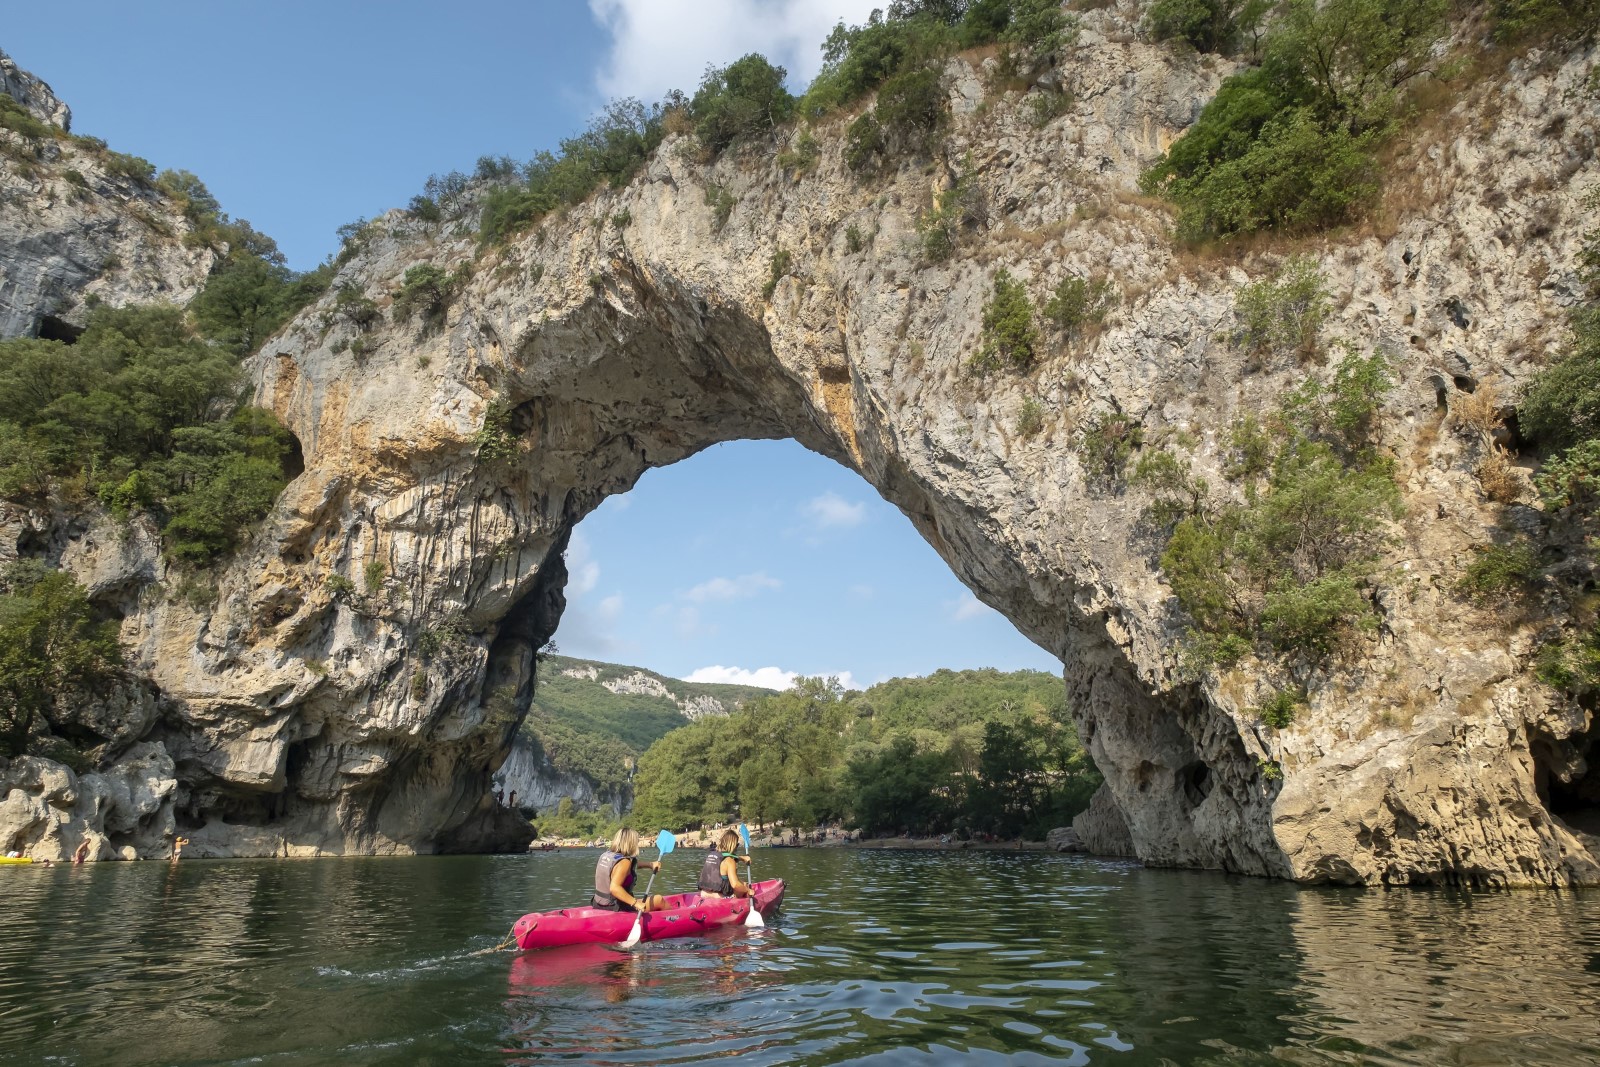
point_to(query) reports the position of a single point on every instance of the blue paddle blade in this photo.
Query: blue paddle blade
(744, 835)
(665, 842)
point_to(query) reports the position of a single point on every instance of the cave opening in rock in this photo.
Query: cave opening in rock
(1568, 779)
(54, 329)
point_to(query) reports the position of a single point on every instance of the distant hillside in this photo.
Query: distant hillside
(589, 719)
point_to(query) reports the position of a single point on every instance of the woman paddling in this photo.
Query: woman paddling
(719, 875)
(613, 875)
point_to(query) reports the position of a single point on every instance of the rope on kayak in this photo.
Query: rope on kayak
(509, 942)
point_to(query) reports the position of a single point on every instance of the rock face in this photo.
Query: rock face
(542, 788)
(47, 811)
(638, 684)
(33, 94)
(639, 328)
(75, 230)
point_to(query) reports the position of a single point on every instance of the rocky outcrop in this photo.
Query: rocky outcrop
(638, 684)
(539, 787)
(641, 327)
(698, 707)
(1100, 828)
(76, 231)
(33, 94)
(46, 810)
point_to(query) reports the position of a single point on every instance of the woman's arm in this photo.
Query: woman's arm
(619, 882)
(730, 871)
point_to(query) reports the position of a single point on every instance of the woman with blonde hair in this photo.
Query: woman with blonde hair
(613, 875)
(719, 875)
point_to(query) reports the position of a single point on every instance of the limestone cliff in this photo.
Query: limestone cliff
(640, 328)
(77, 227)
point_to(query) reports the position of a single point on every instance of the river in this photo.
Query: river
(878, 957)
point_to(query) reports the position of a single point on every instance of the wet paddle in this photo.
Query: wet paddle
(752, 919)
(665, 843)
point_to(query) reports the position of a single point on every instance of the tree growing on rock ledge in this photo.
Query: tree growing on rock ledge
(52, 643)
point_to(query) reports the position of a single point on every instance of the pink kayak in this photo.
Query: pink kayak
(686, 915)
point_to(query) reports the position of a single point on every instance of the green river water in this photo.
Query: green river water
(877, 957)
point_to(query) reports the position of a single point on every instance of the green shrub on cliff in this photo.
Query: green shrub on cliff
(1209, 25)
(52, 644)
(1009, 337)
(609, 151)
(1517, 20)
(1290, 144)
(1289, 563)
(740, 102)
(136, 413)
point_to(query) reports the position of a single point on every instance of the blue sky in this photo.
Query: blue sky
(300, 117)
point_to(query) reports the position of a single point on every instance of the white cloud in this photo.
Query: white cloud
(965, 607)
(611, 607)
(862, 591)
(740, 588)
(583, 571)
(660, 45)
(831, 509)
(765, 677)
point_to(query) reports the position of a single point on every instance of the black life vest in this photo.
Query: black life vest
(602, 879)
(712, 880)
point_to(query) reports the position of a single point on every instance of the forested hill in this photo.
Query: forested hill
(982, 751)
(590, 717)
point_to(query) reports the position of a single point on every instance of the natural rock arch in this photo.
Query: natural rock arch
(357, 680)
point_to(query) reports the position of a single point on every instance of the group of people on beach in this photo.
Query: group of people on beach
(615, 871)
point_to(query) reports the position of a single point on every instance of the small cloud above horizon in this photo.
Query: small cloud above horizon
(830, 510)
(740, 588)
(763, 677)
(966, 607)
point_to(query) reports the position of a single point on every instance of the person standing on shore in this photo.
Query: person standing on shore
(81, 853)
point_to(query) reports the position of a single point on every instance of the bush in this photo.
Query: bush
(1501, 570)
(428, 291)
(1288, 563)
(1517, 20)
(354, 307)
(909, 112)
(132, 410)
(130, 168)
(803, 156)
(1079, 302)
(1571, 478)
(1009, 338)
(1289, 145)
(1297, 176)
(497, 439)
(1209, 25)
(611, 151)
(739, 102)
(775, 272)
(721, 203)
(1280, 709)
(373, 574)
(52, 644)
(1030, 420)
(1282, 314)
(1106, 444)
(18, 119)
(956, 210)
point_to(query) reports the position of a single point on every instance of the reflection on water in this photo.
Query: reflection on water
(888, 957)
